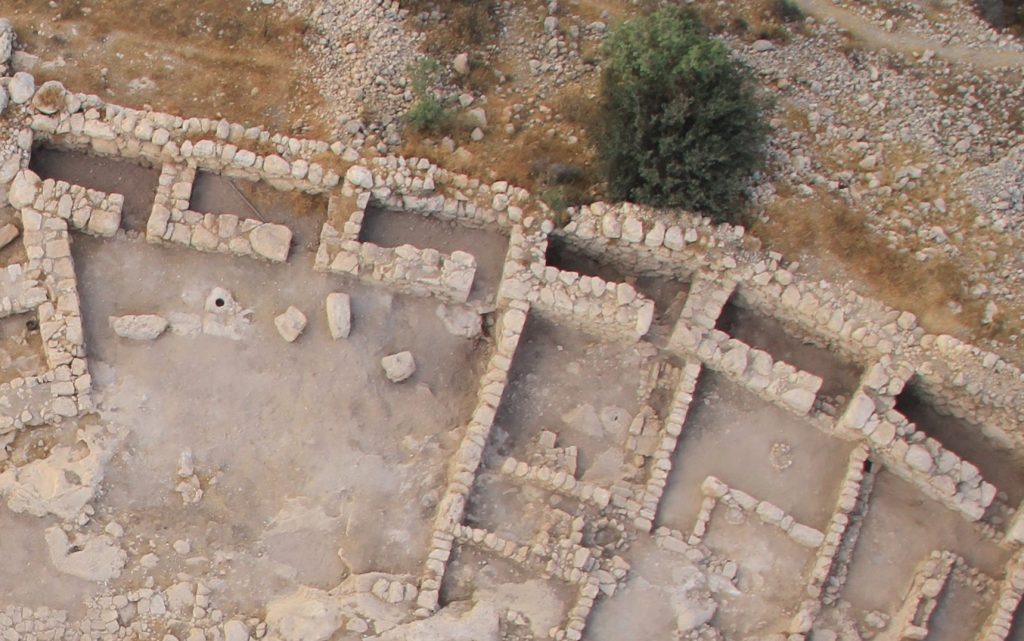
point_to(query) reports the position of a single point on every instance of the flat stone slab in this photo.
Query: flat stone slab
(339, 314)
(271, 241)
(138, 327)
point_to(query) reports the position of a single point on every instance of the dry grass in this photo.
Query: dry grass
(826, 231)
(466, 26)
(205, 57)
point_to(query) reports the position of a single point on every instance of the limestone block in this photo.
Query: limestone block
(104, 222)
(339, 314)
(271, 241)
(24, 189)
(50, 97)
(359, 176)
(141, 327)
(398, 367)
(21, 87)
(290, 324)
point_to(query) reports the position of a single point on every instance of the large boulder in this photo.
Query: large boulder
(339, 314)
(398, 367)
(140, 327)
(24, 189)
(271, 241)
(21, 87)
(290, 324)
(50, 98)
(360, 176)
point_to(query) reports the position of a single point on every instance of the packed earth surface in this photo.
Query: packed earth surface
(272, 366)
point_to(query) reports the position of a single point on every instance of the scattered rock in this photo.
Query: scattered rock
(461, 64)
(761, 46)
(339, 314)
(138, 327)
(398, 367)
(91, 558)
(290, 324)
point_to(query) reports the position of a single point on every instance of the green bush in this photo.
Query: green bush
(681, 122)
(788, 11)
(427, 114)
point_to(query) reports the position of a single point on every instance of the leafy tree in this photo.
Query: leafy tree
(682, 122)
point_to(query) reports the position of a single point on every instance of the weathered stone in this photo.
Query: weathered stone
(460, 320)
(21, 87)
(276, 165)
(24, 188)
(290, 324)
(49, 99)
(7, 234)
(398, 367)
(359, 176)
(104, 222)
(140, 327)
(919, 458)
(339, 314)
(271, 241)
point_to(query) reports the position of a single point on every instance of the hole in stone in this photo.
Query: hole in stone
(219, 302)
(868, 466)
(32, 324)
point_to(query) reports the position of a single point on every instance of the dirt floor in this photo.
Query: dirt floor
(475, 574)
(755, 447)
(304, 214)
(669, 295)
(21, 347)
(960, 614)
(580, 387)
(772, 571)
(136, 183)
(900, 530)
(997, 463)
(205, 58)
(661, 580)
(396, 228)
(839, 378)
(304, 451)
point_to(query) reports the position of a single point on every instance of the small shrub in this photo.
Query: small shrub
(427, 114)
(682, 122)
(788, 11)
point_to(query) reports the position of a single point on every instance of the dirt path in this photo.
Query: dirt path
(878, 38)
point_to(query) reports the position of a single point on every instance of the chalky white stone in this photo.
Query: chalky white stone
(138, 327)
(290, 324)
(21, 87)
(271, 241)
(398, 367)
(339, 314)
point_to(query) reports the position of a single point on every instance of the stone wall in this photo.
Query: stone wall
(171, 221)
